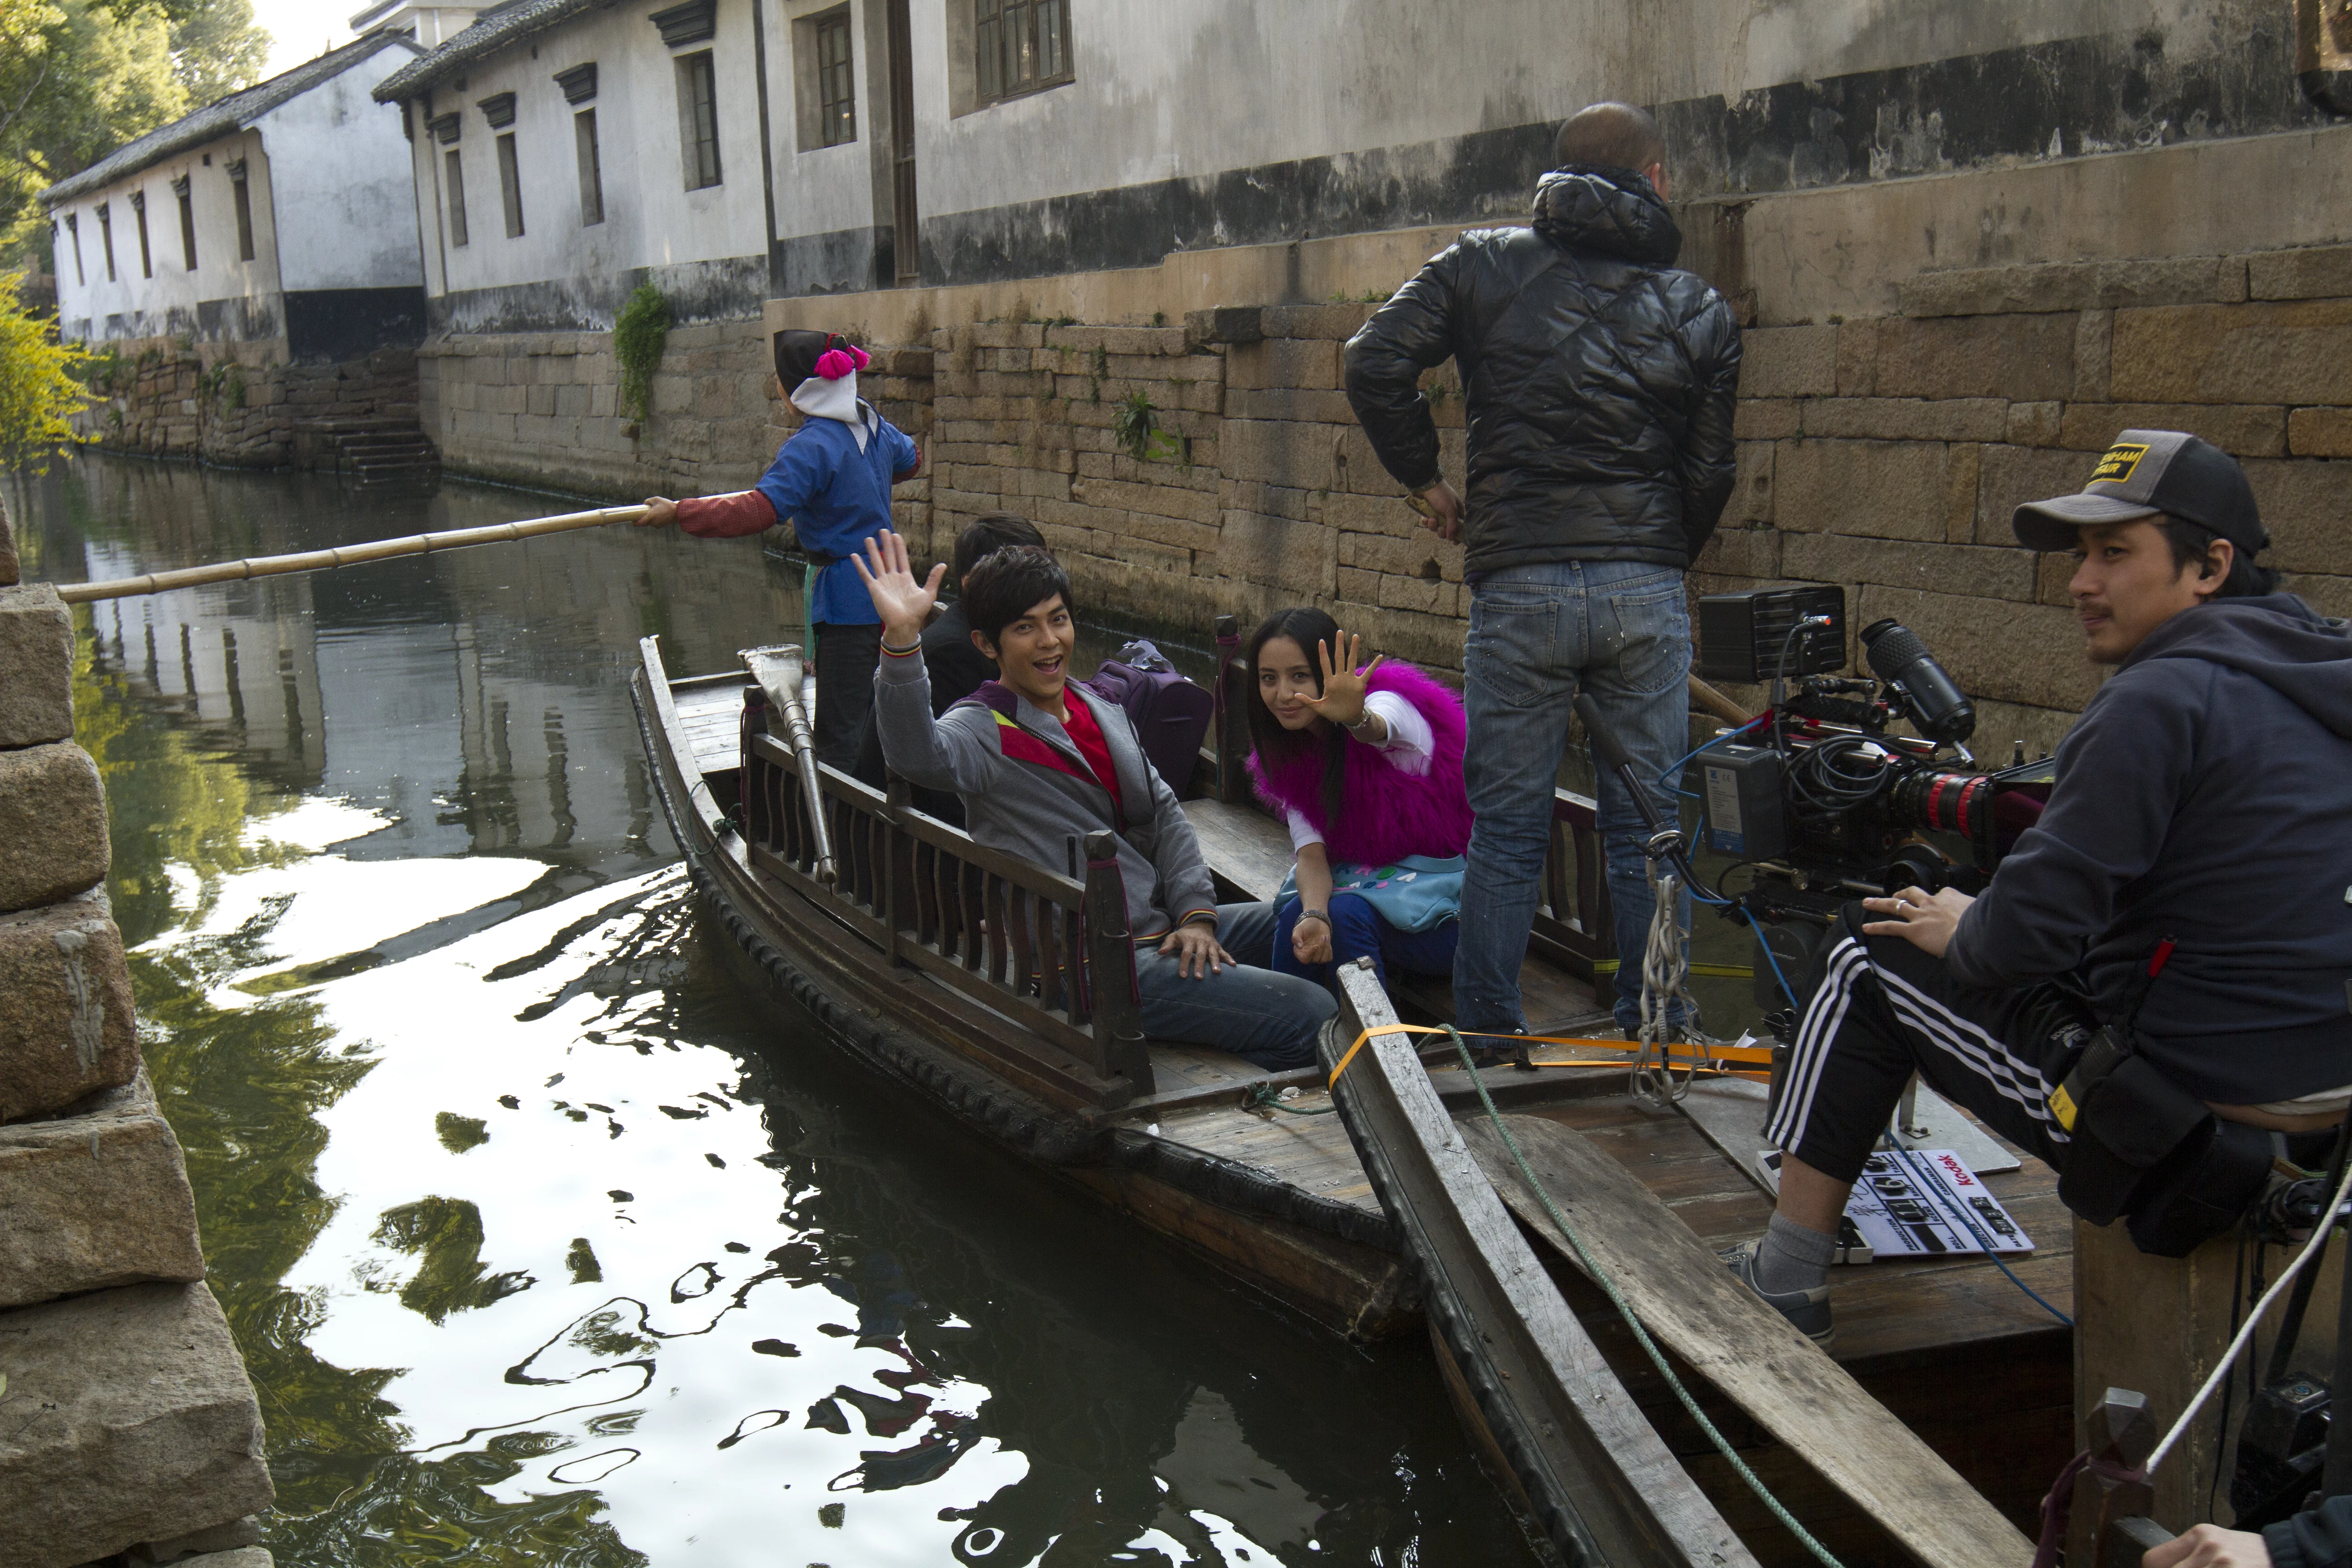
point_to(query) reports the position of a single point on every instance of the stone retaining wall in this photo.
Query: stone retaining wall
(1884, 454)
(235, 403)
(127, 1423)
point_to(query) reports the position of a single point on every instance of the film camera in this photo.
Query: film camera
(1826, 799)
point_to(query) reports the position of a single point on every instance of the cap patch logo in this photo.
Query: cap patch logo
(2117, 467)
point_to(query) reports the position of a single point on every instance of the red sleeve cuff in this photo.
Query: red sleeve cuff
(727, 517)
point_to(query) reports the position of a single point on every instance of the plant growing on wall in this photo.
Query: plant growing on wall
(1133, 425)
(41, 384)
(639, 335)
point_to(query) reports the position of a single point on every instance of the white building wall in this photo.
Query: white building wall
(560, 271)
(131, 304)
(339, 173)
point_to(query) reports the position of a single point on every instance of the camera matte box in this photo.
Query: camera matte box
(1741, 636)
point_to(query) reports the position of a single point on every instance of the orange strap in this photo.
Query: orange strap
(1754, 1053)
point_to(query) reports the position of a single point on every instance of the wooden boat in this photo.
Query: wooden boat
(958, 975)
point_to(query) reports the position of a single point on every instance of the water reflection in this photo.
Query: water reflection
(543, 1243)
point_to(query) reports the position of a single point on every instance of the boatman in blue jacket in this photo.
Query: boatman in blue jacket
(833, 480)
(2154, 994)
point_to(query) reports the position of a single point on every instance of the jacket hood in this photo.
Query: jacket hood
(2276, 638)
(1611, 211)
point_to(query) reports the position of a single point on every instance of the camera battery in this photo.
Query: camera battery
(1745, 814)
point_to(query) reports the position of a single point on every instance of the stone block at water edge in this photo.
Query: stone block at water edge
(95, 1200)
(237, 1544)
(36, 666)
(133, 1421)
(53, 821)
(67, 1029)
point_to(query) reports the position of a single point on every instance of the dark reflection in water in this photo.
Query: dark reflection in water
(543, 1244)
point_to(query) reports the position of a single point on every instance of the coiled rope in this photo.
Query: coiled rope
(1608, 1284)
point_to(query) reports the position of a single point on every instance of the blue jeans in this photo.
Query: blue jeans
(1359, 931)
(1267, 1019)
(1619, 630)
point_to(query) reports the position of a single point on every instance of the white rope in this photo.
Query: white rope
(2311, 1250)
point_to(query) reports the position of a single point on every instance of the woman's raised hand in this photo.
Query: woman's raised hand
(904, 605)
(1342, 701)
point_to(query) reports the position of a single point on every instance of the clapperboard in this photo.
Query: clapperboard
(1909, 1204)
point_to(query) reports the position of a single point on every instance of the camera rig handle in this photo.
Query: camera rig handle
(1665, 841)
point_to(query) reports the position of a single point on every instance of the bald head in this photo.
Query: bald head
(1612, 136)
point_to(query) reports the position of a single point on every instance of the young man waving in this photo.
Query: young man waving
(1041, 762)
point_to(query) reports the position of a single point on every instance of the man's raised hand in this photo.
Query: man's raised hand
(904, 605)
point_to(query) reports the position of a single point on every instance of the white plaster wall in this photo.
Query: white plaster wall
(828, 189)
(340, 177)
(650, 218)
(1198, 88)
(145, 303)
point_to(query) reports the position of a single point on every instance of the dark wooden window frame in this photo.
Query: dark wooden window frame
(146, 251)
(73, 232)
(591, 168)
(1019, 47)
(510, 184)
(243, 199)
(179, 193)
(697, 120)
(836, 80)
(456, 169)
(106, 239)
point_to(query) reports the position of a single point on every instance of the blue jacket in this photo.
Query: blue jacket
(2205, 795)
(838, 498)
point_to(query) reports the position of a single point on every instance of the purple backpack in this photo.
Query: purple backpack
(1170, 714)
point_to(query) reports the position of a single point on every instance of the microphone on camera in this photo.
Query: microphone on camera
(1932, 701)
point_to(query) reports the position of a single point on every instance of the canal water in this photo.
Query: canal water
(543, 1244)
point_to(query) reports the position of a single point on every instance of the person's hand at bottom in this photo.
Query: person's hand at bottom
(660, 512)
(2211, 1546)
(1196, 951)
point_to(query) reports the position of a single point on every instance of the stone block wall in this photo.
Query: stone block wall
(543, 409)
(236, 405)
(126, 1422)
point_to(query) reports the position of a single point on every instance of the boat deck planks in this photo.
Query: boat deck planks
(712, 718)
(1693, 1307)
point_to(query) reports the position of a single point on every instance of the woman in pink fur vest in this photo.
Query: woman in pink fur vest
(1366, 765)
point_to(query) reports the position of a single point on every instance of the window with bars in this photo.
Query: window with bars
(73, 230)
(591, 169)
(1020, 47)
(837, 81)
(146, 253)
(244, 203)
(511, 186)
(698, 119)
(456, 170)
(187, 221)
(106, 239)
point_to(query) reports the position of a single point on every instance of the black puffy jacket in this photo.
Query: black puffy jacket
(1599, 380)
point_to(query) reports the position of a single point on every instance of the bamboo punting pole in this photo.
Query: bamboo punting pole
(344, 555)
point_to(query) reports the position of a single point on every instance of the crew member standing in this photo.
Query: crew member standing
(832, 481)
(1599, 382)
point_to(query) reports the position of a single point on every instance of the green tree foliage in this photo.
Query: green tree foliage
(40, 382)
(81, 78)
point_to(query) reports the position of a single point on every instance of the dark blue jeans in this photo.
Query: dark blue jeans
(1359, 931)
(1538, 634)
(1267, 1019)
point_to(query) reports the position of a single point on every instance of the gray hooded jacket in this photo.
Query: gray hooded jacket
(1039, 814)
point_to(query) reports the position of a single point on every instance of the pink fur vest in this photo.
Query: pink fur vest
(1386, 814)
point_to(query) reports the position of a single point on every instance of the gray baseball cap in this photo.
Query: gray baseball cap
(2148, 473)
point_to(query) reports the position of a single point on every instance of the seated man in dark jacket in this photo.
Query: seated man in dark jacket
(2196, 823)
(1041, 762)
(956, 668)
(1598, 382)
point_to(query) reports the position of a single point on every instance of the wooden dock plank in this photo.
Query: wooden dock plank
(1690, 1304)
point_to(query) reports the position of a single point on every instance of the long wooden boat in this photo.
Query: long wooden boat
(958, 977)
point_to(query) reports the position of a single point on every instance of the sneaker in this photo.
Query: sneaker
(1807, 1311)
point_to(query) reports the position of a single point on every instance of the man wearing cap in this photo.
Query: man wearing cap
(832, 481)
(2200, 806)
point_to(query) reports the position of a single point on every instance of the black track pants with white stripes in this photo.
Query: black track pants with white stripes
(1884, 1009)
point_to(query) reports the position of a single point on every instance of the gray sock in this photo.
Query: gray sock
(1793, 1257)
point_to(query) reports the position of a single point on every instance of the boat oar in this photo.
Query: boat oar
(778, 671)
(343, 555)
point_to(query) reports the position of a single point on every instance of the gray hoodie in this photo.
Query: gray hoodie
(1036, 812)
(2205, 796)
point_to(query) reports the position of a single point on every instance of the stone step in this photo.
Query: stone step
(36, 652)
(95, 1200)
(53, 821)
(129, 1418)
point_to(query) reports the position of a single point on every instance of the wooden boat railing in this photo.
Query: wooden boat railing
(1573, 926)
(1051, 953)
